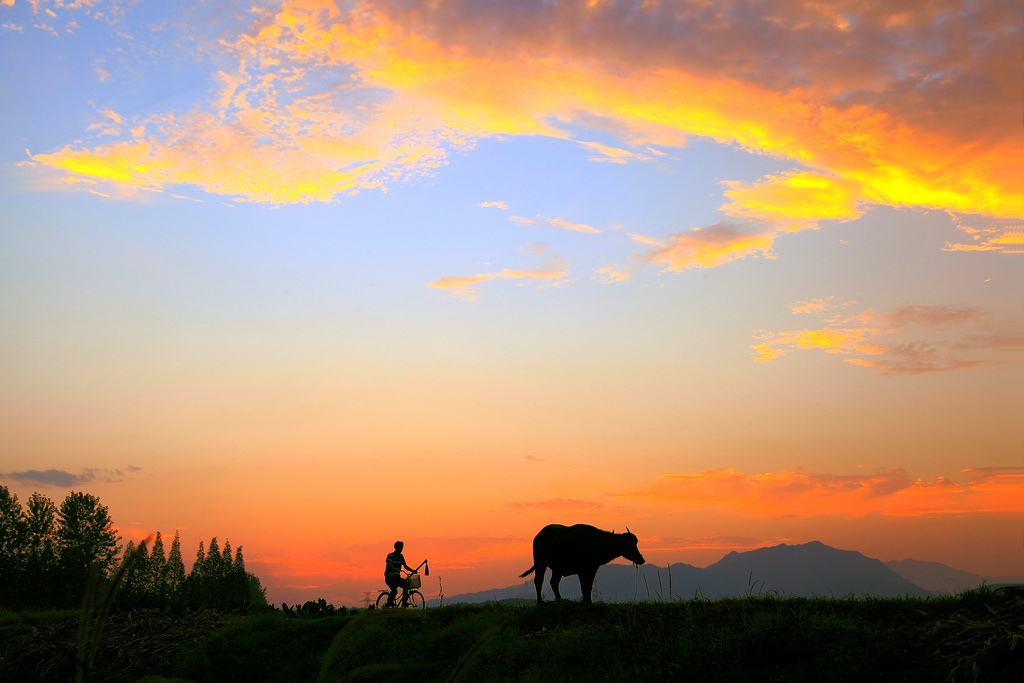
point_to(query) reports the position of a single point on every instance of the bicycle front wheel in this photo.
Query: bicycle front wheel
(382, 601)
(416, 600)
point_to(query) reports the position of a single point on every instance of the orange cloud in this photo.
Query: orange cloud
(612, 273)
(465, 287)
(392, 88)
(708, 247)
(909, 340)
(799, 493)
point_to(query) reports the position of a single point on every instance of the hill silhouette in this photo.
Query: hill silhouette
(940, 578)
(806, 570)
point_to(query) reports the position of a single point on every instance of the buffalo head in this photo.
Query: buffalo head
(629, 549)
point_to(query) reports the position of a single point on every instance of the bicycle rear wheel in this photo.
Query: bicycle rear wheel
(416, 600)
(382, 601)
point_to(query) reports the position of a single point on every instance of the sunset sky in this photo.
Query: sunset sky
(317, 275)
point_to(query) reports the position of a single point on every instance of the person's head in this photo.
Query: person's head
(399, 545)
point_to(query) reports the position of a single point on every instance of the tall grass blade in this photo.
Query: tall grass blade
(92, 622)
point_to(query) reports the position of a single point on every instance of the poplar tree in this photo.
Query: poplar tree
(144, 580)
(175, 566)
(214, 566)
(130, 583)
(158, 569)
(199, 566)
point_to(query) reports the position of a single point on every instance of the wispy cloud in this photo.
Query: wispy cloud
(568, 504)
(1004, 239)
(708, 247)
(612, 273)
(559, 223)
(800, 493)
(661, 543)
(63, 479)
(615, 155)
(464, 287)
(908, 340)
(496, 205)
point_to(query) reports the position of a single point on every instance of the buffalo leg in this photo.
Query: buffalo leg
(587, 583)
(555, 579)
(538, 580)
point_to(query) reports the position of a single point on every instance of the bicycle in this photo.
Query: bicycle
(412, 597)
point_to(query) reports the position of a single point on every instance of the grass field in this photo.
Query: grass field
(977, 636)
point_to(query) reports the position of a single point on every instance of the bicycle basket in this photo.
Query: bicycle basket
(414, 581)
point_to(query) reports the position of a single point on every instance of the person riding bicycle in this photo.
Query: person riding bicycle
(393, 574)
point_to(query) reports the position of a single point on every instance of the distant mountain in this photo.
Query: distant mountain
(808, 570)
(937, 577)
(813, 569)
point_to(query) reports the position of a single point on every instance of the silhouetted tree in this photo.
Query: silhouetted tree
(12, 545)
(40, 566)
(257, 593)
(85, 534)
(41, 528)
(175, 567)
(131, 585)
(198, 567)
(239, 564)
(214, 566)
(145, 579)
(46, 553)
(158, 570)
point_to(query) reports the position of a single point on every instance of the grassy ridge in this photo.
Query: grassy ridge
(977, 636)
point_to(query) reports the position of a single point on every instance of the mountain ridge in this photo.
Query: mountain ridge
(804, 570)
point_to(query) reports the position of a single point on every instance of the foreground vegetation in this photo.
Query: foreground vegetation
(977, 636)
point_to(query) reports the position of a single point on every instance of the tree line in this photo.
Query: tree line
(46, 553)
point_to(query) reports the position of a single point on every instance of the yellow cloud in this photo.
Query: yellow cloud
(906, 341)
(414, 85)
(1008, 240)
(794, 201)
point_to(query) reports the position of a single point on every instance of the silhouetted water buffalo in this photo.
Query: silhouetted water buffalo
(578, 549)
